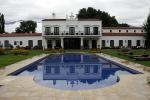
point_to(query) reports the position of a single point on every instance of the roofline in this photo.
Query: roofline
(123, 34)
(122, 27)
(80, 19)
(20, 34)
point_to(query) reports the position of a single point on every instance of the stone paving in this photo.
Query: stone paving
(130, 87)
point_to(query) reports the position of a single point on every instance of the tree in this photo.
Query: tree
(26, 27)
(146, 27)
(2, 24)
(108, 21)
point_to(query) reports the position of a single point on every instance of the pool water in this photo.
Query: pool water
(75, 71)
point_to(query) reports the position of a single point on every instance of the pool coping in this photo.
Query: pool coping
(122, 62)
(21, 64)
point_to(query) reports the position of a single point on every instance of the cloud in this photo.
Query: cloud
(133, 12)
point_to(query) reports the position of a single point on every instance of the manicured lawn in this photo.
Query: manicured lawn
(114, 52)
(11, 58)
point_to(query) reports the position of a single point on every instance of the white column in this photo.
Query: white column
(53, 44)
(44, 43)
(81, 58)
(62, 58)
(99, 43)
(81, 43)
(62, 43)
(90, 44)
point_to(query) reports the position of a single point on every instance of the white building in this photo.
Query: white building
(73, 33)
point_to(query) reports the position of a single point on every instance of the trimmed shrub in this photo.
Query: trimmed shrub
(27, 48)
(2, 52)
(125, 49)
(38, 47)
(20, 52)
(95, 51)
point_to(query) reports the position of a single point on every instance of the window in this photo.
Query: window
(47, 30)
(56, 30)
(127, 31)
(120, 43)
(135, 31)
(138, 43)
(119, 30)
(15, 42)
(129, 43)
(71, 30)
(48, 69)
(95, 69)
(141, 30)
(87, 69)
(110, 31)
(21, 43)
(87, 30)
(95, 30)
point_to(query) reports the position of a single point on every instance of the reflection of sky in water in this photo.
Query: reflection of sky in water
(75, 71)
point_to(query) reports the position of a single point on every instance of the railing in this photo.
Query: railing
(67, 33)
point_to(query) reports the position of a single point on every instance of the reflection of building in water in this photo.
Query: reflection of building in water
(77, 58)
(72, 71)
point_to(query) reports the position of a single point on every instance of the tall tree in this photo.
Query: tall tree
(2, 23)
(26, 27)
(146, 27)
(108, 21)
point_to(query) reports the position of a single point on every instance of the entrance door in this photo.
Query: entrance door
(129, 43)
(120, 43)
(58, 44)
(6, 43)
(72, 43)
(49, 44)
(111, 43)
(103, 43)
(94, 44)
(30, 43)
(86, 44)
(40, 43)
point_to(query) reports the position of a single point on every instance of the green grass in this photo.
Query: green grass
(114, 52)
(11, 58)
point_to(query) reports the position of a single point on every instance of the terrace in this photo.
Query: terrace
(23, 87)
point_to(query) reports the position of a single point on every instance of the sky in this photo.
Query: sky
(133, 12)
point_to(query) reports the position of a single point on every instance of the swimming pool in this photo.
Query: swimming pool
(73, 71)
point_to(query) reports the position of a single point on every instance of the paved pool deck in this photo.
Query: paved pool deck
(130, 87)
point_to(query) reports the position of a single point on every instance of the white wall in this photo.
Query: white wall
(64, 25)
(124, 38)
(123, 30)
(24, 40)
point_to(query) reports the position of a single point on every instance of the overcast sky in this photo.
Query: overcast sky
(133, 12)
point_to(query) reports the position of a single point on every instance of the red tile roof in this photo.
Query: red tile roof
(80, 19)
(20, 34)
(123, 34)
(122, 28)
